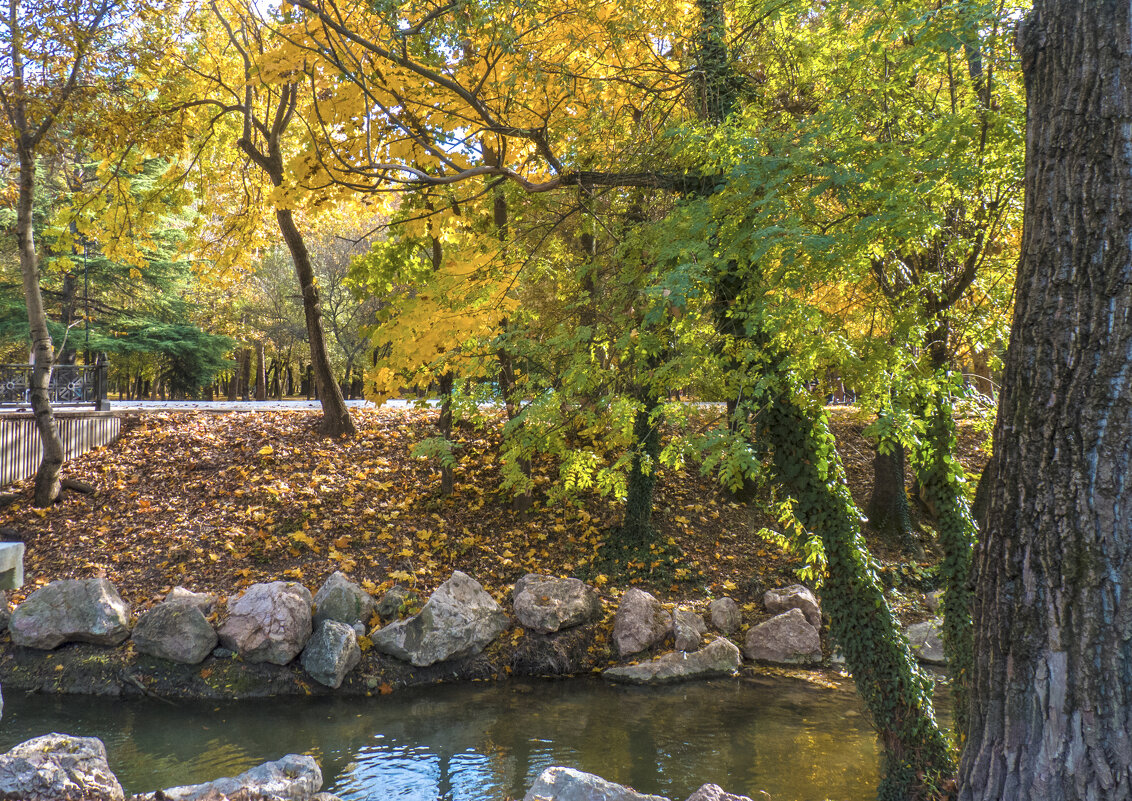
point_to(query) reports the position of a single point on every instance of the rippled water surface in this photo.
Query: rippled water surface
(785, 737)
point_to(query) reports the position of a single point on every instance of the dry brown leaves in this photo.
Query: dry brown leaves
(217, 502)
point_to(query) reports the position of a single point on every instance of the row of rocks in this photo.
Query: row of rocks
(280, 621)
(60, 767)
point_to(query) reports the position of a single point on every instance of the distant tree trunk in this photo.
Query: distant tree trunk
(1052, 684)
(444, 424)
(523, 501)
(260, 371)
(245, 373)
(637, 532)
(234, 381)
(887, 509)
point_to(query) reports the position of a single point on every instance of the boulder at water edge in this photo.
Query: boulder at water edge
(547, 604)
(71, 610)
(58, 766)
(641, 622)
(331, 653)
(725, 615)
(457, 621)
(204, 601)
(567, 784)
(719, 658)
(795, 596)
(926, 640)
(713, 792)
(341, 599)
(295, 777)
(268, 622)
(688, 629)
(787, 639)
(177, 631)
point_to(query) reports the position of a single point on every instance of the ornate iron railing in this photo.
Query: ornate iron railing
(71, 384)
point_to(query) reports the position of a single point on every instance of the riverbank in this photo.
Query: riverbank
(217, 502)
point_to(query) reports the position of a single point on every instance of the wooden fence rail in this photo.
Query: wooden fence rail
(21, 449)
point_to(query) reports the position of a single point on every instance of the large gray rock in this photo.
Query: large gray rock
(204, 601)
(688, 629)
(295, 777)
(71, 610)
(58, 766)
(926, 640)
(787, 639)
(795, 596)
(177, 631)
(713, 792)
(457, 621)
(341, 599)
(720, 657)
(331, 653)
(547, 604)
(567, 784)
(641, 622)
(268, 622)
(725, 615)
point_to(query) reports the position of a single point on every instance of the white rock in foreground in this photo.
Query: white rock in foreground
(459, 620)
(58, 766)
(295, 777)
(567, 784)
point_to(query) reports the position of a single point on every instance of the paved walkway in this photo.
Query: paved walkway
(238, 406)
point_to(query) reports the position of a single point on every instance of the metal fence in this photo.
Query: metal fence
(21, 448)
(70, 385)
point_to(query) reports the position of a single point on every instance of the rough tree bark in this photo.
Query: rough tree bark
(1051, 711)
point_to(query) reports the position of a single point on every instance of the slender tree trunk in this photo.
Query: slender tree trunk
(47, 476)
(1051, 711)
(260, 372)
(444, 424)
(234, 381)
(336, 419)
(637, 532)
(246, 373)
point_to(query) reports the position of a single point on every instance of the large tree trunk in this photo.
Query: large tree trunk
(43, 351)
(336, 419)
(1052, 686)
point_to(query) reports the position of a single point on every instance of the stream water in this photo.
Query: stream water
(784, 737)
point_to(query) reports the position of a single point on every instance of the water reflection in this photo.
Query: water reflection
(475, 742)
